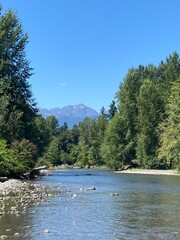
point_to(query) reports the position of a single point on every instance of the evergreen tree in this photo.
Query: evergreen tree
(103, 112)
(16, 102)
(112, 110)
(168, 72)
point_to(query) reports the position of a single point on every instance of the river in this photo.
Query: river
(122, 206)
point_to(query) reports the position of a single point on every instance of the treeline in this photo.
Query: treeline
(141, 126)
(146, 128)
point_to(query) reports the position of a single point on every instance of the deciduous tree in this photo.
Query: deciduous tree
(169, 150)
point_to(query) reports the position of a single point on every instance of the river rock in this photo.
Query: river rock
(13, 208)
(74, 195)
(90, 188)
(4, 236)
(16, 234)
(114, 194)
(44, 172)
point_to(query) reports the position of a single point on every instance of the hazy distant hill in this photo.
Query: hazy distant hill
(72, 114)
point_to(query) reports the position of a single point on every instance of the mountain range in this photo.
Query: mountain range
(71, 114)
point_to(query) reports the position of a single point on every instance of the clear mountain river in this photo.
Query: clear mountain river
(100, 205)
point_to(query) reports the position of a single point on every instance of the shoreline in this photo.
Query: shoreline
(150, 172)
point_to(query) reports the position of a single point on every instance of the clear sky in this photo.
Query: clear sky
(82, 49)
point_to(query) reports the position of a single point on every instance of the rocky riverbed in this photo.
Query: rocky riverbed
(16, 196)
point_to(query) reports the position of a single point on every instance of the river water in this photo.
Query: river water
(123, 206)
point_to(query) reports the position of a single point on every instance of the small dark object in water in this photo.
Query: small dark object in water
(114, 194)
(90, 188)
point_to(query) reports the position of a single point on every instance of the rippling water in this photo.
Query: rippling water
(123, 206)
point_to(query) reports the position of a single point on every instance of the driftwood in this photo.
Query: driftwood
(134, 164)
(3, 179)
(33, 172)
(125, 167)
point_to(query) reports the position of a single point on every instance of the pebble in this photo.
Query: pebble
(16, 234)
(3, 236)
(74, 196)
(17, 195)
(13, 208)
(114, 194)
(86, 189)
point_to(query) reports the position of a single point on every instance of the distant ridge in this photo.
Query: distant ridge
(71, 114)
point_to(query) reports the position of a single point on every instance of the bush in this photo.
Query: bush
(157, 164)
(26, 152)
(10, 166)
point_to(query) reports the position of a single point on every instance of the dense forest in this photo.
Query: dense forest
(141, 126)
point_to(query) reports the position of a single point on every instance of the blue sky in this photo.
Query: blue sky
(82, 49)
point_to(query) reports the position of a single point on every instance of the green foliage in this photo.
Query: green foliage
(168, 72)
(17, 107)
(73, 155)
(169, 150)
(90, 141)
(102, 123)
(17, 104)
(87, 140)
(149, 115)
(144, 127)
(41, 134)
(112, 110)
(130, 133)
(26, 152)
(53, 152)
(52, 125)
(128, 106)
(114, 144)
(9, 162)
(62, 148)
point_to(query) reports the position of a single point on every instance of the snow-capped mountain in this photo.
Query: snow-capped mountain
(71, 114)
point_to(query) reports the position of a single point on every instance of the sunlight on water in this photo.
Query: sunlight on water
(121, 207)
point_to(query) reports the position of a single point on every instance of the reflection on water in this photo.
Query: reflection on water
(143, 207)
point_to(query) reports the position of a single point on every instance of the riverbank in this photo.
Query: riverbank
(17, 195)
(150, 172)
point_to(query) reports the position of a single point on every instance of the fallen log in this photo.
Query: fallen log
(125, 167)
(34, 172)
